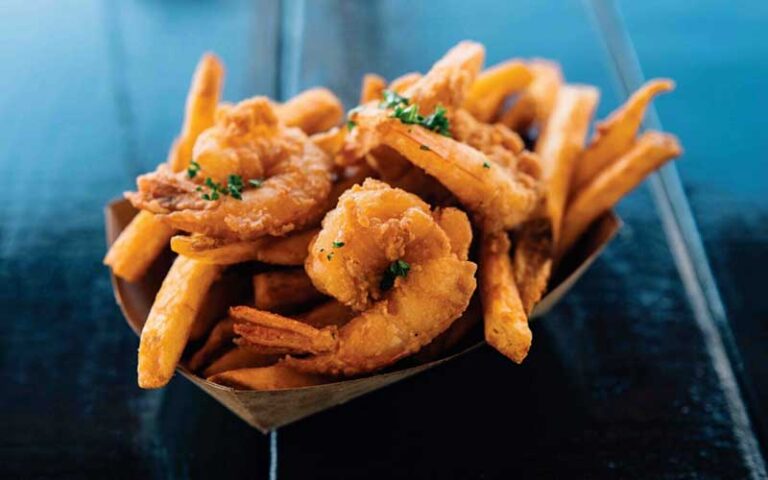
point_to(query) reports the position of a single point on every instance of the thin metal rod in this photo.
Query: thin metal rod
(273, 455)
(686, 245)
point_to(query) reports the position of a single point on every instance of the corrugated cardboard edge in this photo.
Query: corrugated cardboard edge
(270, 410)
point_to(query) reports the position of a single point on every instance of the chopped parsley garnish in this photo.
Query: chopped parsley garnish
(437, 121)
(424, 147)
(398, 268)
(338, 244)
(392, 99)
(216, 189)
(408, 115)
(234, 187)
(193, 168)
(351, 125)
(255, 183)
(486, 164)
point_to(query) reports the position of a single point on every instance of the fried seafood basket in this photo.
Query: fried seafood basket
(268, 410)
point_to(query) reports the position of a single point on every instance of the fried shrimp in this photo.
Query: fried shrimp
(379, 252)
(483, 166)
(445, 85)
(275, 178)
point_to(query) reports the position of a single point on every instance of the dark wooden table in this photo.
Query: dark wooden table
(654, 367)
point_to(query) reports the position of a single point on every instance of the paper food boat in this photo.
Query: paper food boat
(269, 410)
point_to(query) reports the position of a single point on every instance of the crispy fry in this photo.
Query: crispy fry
(450, 78)
(286, 288)
(403, 82)
(493, 85)
(221, 337)
(330, 141)
(288, 250)
(137, 246)
(560, 144)
(271, 330)
(217, 251)
(331, 312)
(615, 135)
(146, 236)
(537, 101)
(314, 110)
(506, 324)
(651, 151)
(532, 261)
(231, 288)
(202, 101)
(168, 325)
(372, 87)
(275, 377)
(238, 358)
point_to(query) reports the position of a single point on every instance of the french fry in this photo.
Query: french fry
(221, 337)
(493, 85)
(275, 377)
(538, 99)
(532, 261)
(330, 141)
(615, 135)
(326, 314)
(146, 236)
(137, 246)
(401, 83)
(505, 322)
(314, 110)
(216, 251)
(288, 250)
(560, 143)
(202, 100)
(265, 329)
(238, 358)
(651, 151)
(231, 288)
(170, 320)
(282, 289)
(372, 88)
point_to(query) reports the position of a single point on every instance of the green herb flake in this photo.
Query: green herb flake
(256, 183)
(486, 165)
(398, 268)
(235, 186)
(193, 168)
(216, 190)
(438, 122)
(351, 125)
(338, 244)
(408, 115)
(392, 99)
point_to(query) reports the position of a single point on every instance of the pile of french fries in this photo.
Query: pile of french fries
(582, 179)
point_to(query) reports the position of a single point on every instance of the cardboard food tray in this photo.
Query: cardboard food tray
(270, 410)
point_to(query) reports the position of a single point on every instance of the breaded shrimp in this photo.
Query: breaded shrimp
(382, 252)
(248, 141)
